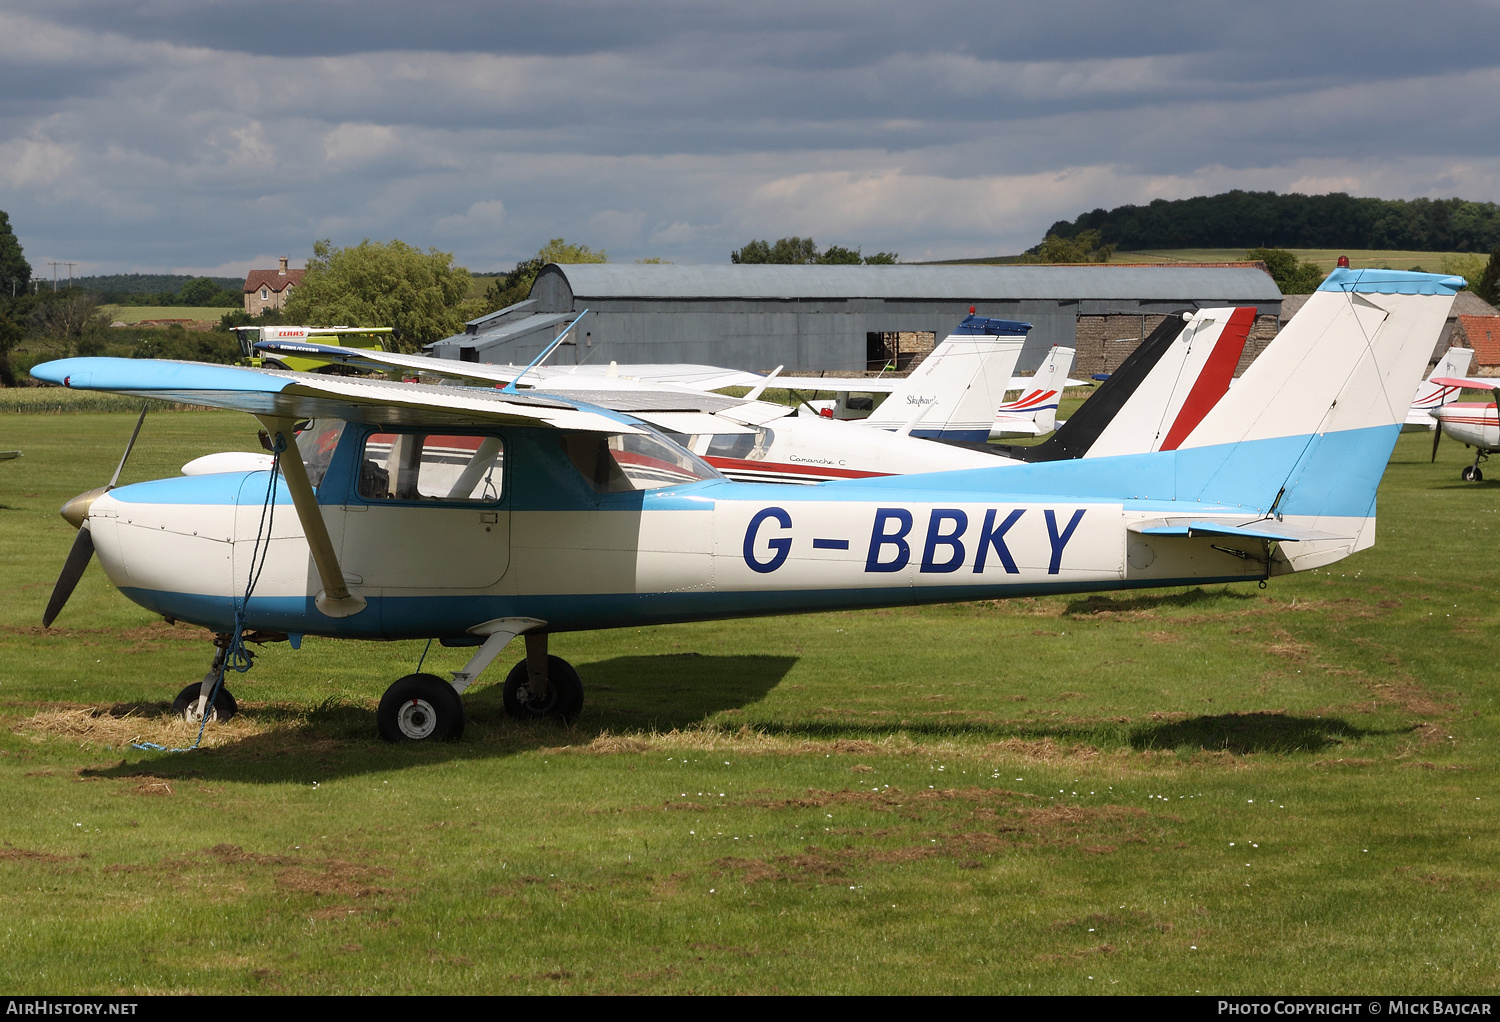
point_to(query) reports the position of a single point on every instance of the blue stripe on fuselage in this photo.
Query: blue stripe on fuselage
(421, 617)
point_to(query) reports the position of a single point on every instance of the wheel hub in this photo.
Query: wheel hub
(417, 719)
(194, 714)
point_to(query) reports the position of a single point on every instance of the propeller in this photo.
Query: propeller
(1437, 436)
(76, 511)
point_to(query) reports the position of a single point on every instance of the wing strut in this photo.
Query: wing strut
(335, 600)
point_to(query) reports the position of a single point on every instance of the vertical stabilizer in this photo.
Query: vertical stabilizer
(953, 393)
(1430, 395)
(1035, 411)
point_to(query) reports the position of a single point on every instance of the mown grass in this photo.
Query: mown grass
(131, 314)
(1224, 789)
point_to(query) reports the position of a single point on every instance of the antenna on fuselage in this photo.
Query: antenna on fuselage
(510, 388)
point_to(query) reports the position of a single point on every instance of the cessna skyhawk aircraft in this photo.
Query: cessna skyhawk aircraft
(474, 516)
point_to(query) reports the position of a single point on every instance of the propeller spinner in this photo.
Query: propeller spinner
(76, 511)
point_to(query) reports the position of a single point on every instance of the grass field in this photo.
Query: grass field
(132, 314)
(1325, 258)
(1220, 790)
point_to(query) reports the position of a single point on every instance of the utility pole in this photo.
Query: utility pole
(70, 274)
(54, 264)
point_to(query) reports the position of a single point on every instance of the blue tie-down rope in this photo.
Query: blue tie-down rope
(236, 656)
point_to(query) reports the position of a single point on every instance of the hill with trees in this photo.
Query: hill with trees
(1240, 219)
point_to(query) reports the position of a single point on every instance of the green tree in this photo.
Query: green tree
(199, 291)
(793, 251)
(422, 295)
(1291, 276)
(1083, 247)
(15, 271)
(11, 334)
(1488, 288)
(838, 255)
(515, 286)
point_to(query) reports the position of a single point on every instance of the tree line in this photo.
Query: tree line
(1240, 219)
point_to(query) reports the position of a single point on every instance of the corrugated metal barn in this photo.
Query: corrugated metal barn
(843, 318)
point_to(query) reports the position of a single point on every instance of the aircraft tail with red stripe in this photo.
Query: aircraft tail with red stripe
(1035, 411)
(1432, 394)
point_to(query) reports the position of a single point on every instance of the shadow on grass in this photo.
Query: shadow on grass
(338, 739)
(1100, 603)
(1250, 732)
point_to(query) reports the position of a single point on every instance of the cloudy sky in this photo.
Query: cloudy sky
(205, 136)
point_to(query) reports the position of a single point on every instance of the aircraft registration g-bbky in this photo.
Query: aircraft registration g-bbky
(473, 516)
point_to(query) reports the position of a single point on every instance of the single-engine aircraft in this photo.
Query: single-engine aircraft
(1472, 423)
(407, 512)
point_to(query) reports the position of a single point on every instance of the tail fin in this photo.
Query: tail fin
(1076, 436)
(1035, 411)
(957, 388)
(1309, 427)
(1430, 395)
(1186, 382)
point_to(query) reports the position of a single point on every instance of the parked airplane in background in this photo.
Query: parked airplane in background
(1474, 424)
(1432, 394)
(1035, 411)
(474, 516)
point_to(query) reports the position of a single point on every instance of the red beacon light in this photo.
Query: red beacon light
(1344, 262)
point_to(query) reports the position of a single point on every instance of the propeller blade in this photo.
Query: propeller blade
(115, 479)
(1437, 435)
(73, 567)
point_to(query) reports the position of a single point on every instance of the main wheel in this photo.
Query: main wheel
(186, 704)
(1471, 474)
(420, 708)
(564, 699)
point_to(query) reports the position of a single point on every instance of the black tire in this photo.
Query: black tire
(186, 703)
(420, 708)
(1471, 474)
(564, 700)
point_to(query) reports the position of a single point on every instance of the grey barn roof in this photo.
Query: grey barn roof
(1148, 283)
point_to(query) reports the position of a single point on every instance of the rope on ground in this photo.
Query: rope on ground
(234, 656)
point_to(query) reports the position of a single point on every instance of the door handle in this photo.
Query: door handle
(488, 517)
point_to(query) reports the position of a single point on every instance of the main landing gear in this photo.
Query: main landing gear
(424, 708)
(192, 702)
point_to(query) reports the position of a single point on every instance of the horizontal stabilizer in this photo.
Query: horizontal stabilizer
(1469, 382)
(1263, 528)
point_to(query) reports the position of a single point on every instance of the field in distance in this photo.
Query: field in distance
(1324, 258)
(1219, 790)
(132, 314)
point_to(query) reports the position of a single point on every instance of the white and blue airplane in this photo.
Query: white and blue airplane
(407, 511)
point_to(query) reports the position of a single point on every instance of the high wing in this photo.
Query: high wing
(669, 407)
(1468, 382)
(281, 394)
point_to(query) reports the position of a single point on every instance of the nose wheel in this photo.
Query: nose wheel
(420, 708)
(189, 704)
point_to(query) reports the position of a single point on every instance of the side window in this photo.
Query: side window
(432, 466)
(744, 446)
(316, 441)
(633, 461)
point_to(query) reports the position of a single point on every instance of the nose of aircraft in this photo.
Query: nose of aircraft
(77, 509)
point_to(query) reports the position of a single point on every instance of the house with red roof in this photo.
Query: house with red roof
(1482, 333)
(269, 289)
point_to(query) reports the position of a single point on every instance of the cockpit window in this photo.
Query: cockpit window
(432, 466)
(316, 440)
(633, 461)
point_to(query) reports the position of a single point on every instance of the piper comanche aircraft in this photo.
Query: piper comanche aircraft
(409, 511)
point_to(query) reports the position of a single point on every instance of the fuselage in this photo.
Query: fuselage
(542, 529)
(1475, 423)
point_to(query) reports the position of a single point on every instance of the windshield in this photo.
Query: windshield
(633, 461)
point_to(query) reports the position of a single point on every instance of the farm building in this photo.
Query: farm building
(269, 289)
(846, 318)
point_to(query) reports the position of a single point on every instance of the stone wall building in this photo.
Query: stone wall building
(269, 289)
